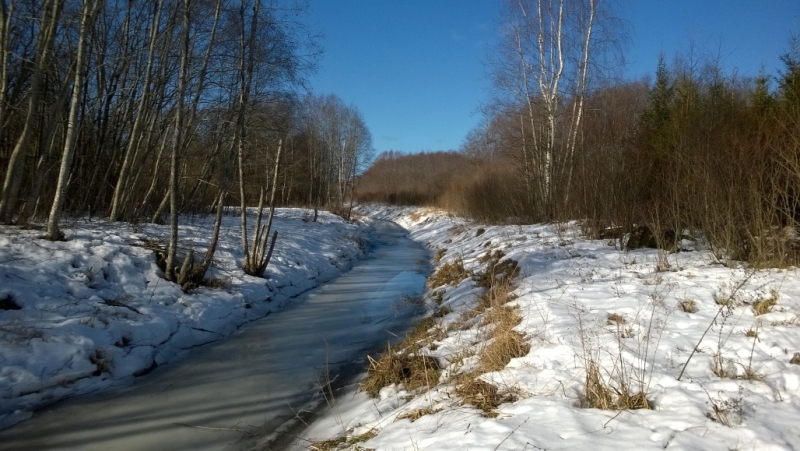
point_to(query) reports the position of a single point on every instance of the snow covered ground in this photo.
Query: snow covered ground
(92, 312)
(586, 304)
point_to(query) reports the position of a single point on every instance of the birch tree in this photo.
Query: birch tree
(88, 12)
(547, 58)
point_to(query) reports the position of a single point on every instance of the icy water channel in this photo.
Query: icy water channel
(230, 394)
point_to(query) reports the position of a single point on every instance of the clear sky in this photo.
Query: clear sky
(416, 68)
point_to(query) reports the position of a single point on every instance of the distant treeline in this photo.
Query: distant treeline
(111, 108)
(696, 149)
(411, 179)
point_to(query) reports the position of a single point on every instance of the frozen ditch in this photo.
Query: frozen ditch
(228, 394)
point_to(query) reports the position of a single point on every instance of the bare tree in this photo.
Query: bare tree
(88, 12)
(51, 11)
(141, 116)
(177, 141)
(547, 56)
(6, 12)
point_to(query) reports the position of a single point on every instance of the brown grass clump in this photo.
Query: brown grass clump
(764, 306)
(506, 343)
(600, 395)
(439, 255)
(404, 366)
(442, 312)
(418, 333)
(688, 306)
(615, 318)
(497, 271)
(496, 296)
(481, 394)
(449, 274)
(411, 370)
(342, 442)
(416, 414)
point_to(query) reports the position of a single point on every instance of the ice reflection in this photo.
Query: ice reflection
(223, 394)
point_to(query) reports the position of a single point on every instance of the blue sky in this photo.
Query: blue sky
(416, 68)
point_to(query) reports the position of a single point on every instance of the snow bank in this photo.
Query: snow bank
(584, 301)
(93, 312)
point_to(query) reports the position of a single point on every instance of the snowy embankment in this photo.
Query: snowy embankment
(93, 312)
(585, 305)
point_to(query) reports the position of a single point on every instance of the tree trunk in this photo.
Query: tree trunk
(88, 11)
(133, 140)
(14, 172)
(177, 139)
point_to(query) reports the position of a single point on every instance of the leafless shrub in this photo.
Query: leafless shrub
(726, 410)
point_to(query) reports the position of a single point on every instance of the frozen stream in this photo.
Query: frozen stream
(223, 395)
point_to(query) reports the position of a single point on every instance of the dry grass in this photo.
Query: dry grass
(419, 334)
(416, 414)
(403, 365)
(795, 359)
(688, 306)
(342, 442)
(506, 345)
(496, 296)
(498, 271)
(442, 312)
(481, 394)
(439, 255)
(596, 393)
(723, 368)
(448, 274)
(600, 395)
(615, 318)
(411, 370)
(762, 306)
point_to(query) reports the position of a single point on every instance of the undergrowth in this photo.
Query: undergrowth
(451, 273)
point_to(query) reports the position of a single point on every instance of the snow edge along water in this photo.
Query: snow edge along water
(92, 313)
(585, 301)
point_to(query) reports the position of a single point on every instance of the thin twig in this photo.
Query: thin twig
(714, 319)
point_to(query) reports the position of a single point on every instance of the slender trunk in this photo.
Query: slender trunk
(177, 139)
(45, 160)
(133, 140)
(88, 11)
(6, 13)
(246, 67)
(154, 181)
(265, 260)
(14, 172)
(578, 115)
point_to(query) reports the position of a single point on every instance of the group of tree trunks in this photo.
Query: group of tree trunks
(145, 111)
